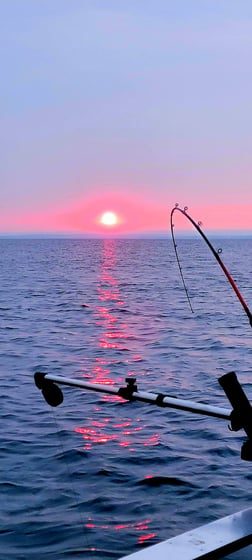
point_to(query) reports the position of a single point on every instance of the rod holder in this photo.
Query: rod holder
(130, 388)
(241, 416)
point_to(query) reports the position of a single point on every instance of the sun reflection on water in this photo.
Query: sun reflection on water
(114, 348)
(140, 527)
(123, 433)
(113, 334)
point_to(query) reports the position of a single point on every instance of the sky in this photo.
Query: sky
(127, 106)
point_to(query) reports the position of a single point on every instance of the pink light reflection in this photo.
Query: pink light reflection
(140, 526)
(113, 335)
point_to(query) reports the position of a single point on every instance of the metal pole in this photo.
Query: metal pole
(129, 394)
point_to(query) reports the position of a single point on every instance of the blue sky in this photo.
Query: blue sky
(149, 101)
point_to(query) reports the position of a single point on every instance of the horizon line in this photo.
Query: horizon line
(224, 233)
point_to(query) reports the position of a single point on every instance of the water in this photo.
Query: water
(75, 481)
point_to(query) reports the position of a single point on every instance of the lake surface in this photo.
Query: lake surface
(99, 477)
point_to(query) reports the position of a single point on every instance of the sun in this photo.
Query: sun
(109, 219)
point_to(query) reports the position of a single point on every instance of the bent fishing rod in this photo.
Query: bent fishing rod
(239, 417)
(214, 252)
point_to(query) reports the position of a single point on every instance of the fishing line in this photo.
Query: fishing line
(214, 252)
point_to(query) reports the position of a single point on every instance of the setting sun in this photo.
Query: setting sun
(109, 219)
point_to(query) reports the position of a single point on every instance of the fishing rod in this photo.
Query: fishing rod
(214, 252)
(240, 417)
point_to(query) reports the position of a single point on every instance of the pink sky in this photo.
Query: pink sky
(134, 214)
